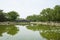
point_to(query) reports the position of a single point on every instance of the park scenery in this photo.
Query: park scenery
(30, 20)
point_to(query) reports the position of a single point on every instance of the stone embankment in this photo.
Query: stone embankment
(7, 23)
(13, 23)
(37, 23)
(46, 23)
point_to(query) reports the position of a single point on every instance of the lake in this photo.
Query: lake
(29, 32)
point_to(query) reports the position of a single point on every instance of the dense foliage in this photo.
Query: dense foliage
(47, 14)
(2, 16)
(10, 16)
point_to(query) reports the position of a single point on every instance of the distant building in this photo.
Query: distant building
(22, 21)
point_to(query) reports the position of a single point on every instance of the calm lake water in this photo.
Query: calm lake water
(28, 32)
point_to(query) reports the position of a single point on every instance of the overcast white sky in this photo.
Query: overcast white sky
(27, 7)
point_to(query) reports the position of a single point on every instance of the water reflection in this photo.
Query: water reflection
(28, 32)
(9, 29)
(48, 32)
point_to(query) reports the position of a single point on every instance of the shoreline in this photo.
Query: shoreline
(36, 23)
(14, 23)
(46, 23)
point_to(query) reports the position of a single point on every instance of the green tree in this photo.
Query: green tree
(2, 16)
(57, 12)
(33, 18)
(47, 14)
(12, 16)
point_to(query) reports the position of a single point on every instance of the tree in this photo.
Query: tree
(12, 16)
(47, 14)
(33, 18)
(57, 12)
(2, 16)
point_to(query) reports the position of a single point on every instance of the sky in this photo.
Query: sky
(27, 7)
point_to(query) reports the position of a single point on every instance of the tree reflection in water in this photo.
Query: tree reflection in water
(48, 32)
(9, 29)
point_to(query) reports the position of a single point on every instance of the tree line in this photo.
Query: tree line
(48, 14)
(9, 16)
